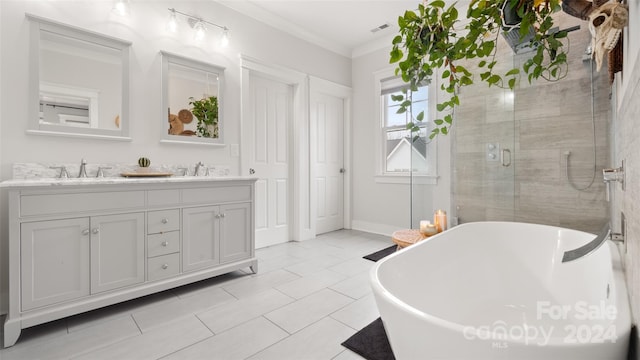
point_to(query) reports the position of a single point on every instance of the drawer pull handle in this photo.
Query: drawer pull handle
(95, 231)
(85, 232)
(165, 266)
(165, 243)
(165, 221)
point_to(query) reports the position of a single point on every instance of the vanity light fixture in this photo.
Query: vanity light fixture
(121, 7)
(172, 23)
(199, 26)
(225, 38)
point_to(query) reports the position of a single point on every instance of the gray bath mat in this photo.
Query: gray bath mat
(381, 253)
(371, 342)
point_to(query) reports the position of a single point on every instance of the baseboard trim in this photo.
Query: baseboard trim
(375, 228)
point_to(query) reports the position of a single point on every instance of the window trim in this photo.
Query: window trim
(382, 176)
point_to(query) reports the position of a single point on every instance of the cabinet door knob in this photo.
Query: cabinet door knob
(165, 266)
(165, 243)
(217, 216)
(95, 230)
(165, 221)
(222, 215)
(85, 232)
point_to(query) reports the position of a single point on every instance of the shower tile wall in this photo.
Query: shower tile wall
(538, 122)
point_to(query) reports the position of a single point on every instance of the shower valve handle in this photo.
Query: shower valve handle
(504, 157)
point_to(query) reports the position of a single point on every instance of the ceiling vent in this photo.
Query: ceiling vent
(381, 27)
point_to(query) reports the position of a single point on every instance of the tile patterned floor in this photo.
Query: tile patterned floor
(307, 298)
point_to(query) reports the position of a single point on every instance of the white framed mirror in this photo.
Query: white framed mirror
(78, 82)
(192, 94)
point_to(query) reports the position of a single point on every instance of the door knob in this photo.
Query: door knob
(252, 171)
(342, 170)
(95, 231)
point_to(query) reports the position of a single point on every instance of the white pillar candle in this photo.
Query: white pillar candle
(440, 220)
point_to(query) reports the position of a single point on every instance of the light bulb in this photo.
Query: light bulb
(172, 23)
(199, 31)
(225, 38)
(121, 7)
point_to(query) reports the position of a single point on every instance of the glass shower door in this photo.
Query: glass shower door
(483, 153)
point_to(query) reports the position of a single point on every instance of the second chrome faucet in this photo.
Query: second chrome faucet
(83, 169)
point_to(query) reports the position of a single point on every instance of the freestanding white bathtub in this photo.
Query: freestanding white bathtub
(498, 290)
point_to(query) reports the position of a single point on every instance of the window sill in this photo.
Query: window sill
(406, 179)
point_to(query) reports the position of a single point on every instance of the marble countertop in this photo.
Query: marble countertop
(117, 180)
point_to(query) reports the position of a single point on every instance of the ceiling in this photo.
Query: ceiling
(342, 26)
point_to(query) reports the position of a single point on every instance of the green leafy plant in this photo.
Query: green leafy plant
(431, 38)
(206, 111)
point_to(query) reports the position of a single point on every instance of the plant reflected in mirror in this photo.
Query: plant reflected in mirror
(192, 97)
(206, 111)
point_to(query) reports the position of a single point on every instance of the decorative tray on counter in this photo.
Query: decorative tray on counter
(146, 174)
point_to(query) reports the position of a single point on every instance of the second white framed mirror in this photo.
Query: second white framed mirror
(192, 101)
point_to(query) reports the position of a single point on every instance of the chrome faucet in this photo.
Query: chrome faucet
(586, 249)
(83, 169)
(196, 172)
(101, 169)
(64, 174)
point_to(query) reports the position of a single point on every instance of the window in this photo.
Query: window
(403, 151)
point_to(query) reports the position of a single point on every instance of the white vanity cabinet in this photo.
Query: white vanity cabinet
(117, 251)
(71, 258)
(234, 232)
(54, 261)
(215, 234)
(81, 245)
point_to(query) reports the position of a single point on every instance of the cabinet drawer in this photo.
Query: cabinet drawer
(163, 221)
(163, 197)
(164, 266)
(48, 204)
(162, 244)
(217, 195)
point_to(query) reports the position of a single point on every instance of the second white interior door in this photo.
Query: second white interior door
(327, 142)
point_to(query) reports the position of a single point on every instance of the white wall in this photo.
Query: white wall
(383, 207)
(145, 28)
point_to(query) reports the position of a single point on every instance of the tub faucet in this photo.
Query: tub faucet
(83, 169)
(613, 175)
(586, 249)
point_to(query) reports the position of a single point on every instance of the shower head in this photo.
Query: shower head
(518, 44)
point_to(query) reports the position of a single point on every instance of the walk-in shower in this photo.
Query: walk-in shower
(532, 154)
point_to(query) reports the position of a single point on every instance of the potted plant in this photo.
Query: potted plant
(206, 111)
(431, 39)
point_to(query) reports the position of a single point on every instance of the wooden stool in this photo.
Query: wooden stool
(404, 238)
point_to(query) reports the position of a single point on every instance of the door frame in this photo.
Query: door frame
(322, 86)
(298, 138)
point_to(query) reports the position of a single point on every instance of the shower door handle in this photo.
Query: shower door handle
(505, 157)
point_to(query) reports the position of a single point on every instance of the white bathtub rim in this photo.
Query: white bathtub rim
(623, 318)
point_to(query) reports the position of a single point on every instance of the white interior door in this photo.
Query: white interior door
(267, 127)
(327, 141)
